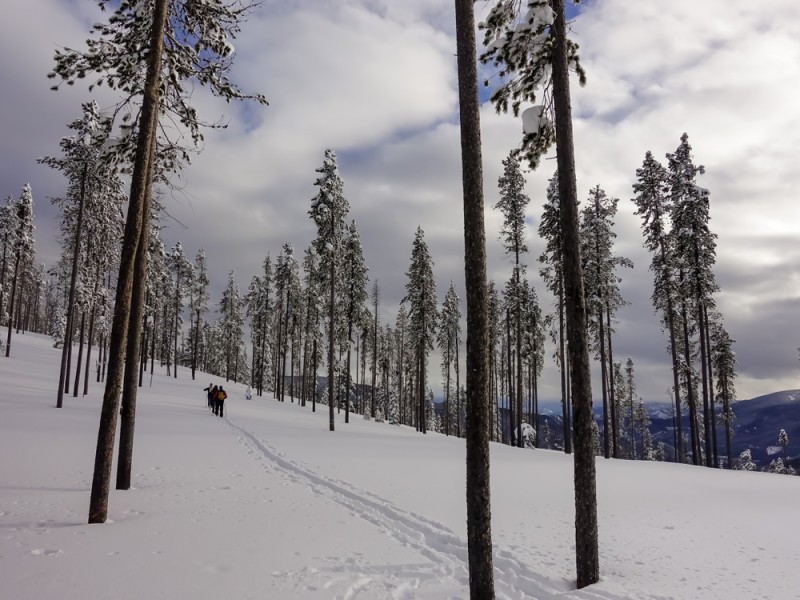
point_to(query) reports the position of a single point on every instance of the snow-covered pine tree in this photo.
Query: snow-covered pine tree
(90, 221)
(314, 299)
(329, 211)
(512, 203)
(552, 274)
(602, 297)
(23, 253)
(198, 304)
(230, 325)
(375, 303)
(448, 339)
(654, 206)
(641, 424)
(254, 302)
(423, 316)
(495, 335)
(184, 276)
(7, 235)
(695, 248)
(745, 462)
(287, 286)
(402, 368)
(630, 394)
(783, 441)
(533, 350)
(723, 359)
(355, 281)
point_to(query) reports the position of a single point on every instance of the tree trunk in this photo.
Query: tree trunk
(101, 479)
(458, 394)
(331, 330)
(680, 454)
(89, 337)
(479, 515)
(562, 359)
(608, 429)
(615, 417)
(177, 315)
(711, 431)
(136, 317)
(80, 356)
(690, 387)
(586, 539)
(72, 285)
(11, 302)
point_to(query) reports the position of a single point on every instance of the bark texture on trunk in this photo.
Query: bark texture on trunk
(479, 529)
(101, 479)
(586, 539)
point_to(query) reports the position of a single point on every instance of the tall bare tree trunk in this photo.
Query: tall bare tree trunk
(130, 388)
(479, 514)
(586, 539)
(331, 331)
(101, 479)
(72, 284)
(80, 356)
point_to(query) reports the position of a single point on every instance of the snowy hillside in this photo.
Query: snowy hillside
(266, 503)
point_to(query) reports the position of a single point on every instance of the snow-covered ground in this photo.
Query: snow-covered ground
(266, 503)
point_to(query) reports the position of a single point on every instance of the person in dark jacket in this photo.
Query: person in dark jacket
(210, 393)
(221, 395)
(214, 392)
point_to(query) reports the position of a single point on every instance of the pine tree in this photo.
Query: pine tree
(375, 301)
(552, 273)
(654, 207)
(311, 268)
(783, 441)
(329, 211)
(423, 315)
(90, 221)
(724, 360)
(355, 287)
(184, 276)
(535, 55)
(641, 424)
(513, 202)
(745, 461)
(23, 251)
(287, 290)
(494, 326)
(603, 297)
(198, 303)
(230, 324)
(533, 350)
(448, 339)
(258, 308)
(695, 248)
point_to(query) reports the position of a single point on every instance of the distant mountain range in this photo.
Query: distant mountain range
(756, 426)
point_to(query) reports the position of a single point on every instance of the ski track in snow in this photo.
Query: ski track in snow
(446, 570)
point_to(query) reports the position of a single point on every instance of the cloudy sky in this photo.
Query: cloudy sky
(376, 81)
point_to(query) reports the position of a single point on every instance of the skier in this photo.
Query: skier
(221, 395)
(210, 393)
(248, 395)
